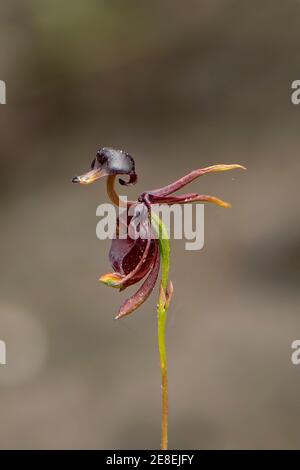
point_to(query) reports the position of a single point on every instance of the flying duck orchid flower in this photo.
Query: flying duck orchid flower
(136, 259)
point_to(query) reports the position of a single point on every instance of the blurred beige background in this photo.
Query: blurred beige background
(179, 85)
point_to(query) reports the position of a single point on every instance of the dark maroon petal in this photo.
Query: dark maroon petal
(118, 250)
(187, 198)
(124, 256)
(132, 303)
(132, 258)
(173, 187)
(125, 252)
(141, 264)
(172, 199)
(141, 273)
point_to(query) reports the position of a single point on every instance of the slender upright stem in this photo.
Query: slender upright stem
(162, 309)
(161, 315)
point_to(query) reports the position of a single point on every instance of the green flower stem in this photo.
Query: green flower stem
(162, 309)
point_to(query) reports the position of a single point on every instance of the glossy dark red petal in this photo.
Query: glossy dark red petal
(132, 303)
(132, 258)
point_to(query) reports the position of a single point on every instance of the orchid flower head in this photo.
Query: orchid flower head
(134, 260)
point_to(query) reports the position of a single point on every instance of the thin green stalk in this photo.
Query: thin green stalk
(162, 309)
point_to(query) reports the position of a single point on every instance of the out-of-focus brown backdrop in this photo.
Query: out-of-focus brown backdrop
(179, 85)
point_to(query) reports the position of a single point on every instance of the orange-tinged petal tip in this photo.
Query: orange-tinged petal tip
(223, 167)
(216, 200)
(111, 279)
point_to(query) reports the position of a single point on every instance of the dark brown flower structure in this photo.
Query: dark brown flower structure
(134, 260)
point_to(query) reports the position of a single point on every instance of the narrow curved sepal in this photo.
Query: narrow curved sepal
(187, 198)
(184, 180)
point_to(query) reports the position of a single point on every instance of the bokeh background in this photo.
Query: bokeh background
(179, 85)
